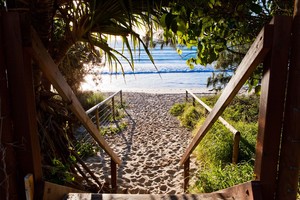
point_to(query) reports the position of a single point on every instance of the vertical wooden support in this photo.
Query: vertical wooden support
(8, 172)
(186, 96)
(113, 107)
(186, 174)
(113, 176)
(271, 107)
(22, 100)
(194, 102)
(289, 165)
(121, 98)
(97, 118)
(236, 144)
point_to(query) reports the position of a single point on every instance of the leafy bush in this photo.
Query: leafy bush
(216, 146)
(215, 150)
(177, 109)
(88, 99)
(216, 177)
(86, 149)
(242, 108)
(190, 117)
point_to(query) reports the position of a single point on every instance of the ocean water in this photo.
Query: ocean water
(170, 72)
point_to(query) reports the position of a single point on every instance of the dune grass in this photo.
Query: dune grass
(214, 153)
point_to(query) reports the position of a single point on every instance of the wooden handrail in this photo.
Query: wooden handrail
(236, 133)
(254, 56)
(224, 122)
(103, 102)
(51, 71)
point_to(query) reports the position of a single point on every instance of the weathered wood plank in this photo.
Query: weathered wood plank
(249, 190)
(54, 191)
(51, 71)
(92, 109)
(289, 165)
(22, 100)
(29, 186)
(186, 175)
(222, 120)
(254, 56)
(8, 172)
(113, 172)
(272, 97)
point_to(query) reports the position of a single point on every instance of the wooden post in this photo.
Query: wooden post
(52, 73)
(254, 56)
(194, 102)
(271, 107)
(236, 144)
(186, 96)
(113, 107)
(8, 172)
(22, 100)
(113, 176)
(121, 98)
(289, 164)
(97, 119)
(186, 174)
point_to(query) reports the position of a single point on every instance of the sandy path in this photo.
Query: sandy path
(150, 147)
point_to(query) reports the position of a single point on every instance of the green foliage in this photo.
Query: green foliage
(59, 172)
(86, 149)
(243, 108)
(215, 150)
(113, 129)
(177, 109)
(221, 31)
(72, 65)
(189, 117)
(216, 177)
(88, 99)
(216, 146)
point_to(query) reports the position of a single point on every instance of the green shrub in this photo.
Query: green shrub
(88, 99)
(190, 117)
(216, 146)
(86, 149)
(214, 152)
(242, 108)
(216, 177)
(177, 109)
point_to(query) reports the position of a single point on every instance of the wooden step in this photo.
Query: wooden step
(89, 196)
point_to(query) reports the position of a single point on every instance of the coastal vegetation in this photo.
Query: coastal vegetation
(214, 153)
(78, 32)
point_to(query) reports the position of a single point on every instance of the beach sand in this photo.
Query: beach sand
(150, 148)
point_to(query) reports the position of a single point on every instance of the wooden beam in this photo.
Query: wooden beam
(254, 56)
(245, 191)
(271, 107)
(186, 175)
(54, 191)
(289, 165)
(8, 172)
(51, 71)
(113, 174)
(249, 190)
(22, 100)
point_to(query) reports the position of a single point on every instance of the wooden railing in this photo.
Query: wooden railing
(236, 133)
(111, 97)
(102, 119)
(254, 56)
(51, 72)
